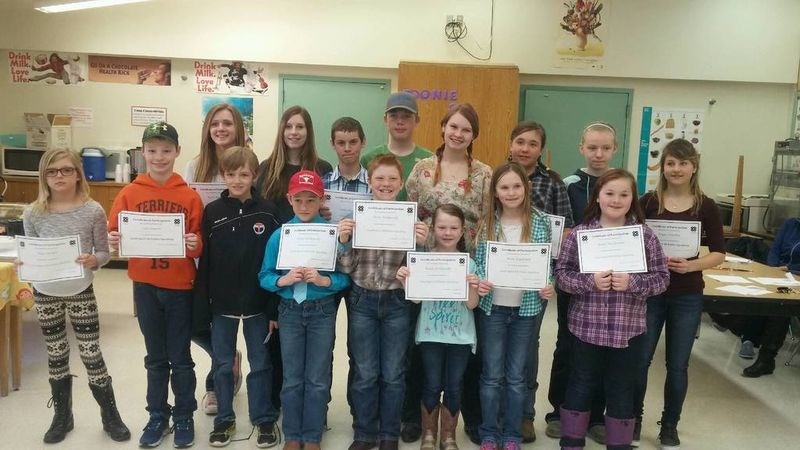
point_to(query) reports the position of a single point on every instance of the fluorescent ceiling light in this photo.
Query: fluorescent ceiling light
(64, 6)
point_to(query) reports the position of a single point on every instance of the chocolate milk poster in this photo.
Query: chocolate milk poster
(230, 77)
(46, 67)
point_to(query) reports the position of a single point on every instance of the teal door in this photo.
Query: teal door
(565, 111)
(327, 99)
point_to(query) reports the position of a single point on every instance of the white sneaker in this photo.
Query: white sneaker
(209, 403)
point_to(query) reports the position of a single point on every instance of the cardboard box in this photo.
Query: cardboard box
(48, 131)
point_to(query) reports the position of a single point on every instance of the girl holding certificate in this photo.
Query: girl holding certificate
(446, 335)
(510, 318)
(607, 317)
(64, 208)
(678, 198)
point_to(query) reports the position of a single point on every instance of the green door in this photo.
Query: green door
(327, 99)
(565, 111)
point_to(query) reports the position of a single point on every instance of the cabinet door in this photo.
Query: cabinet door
(21, 191)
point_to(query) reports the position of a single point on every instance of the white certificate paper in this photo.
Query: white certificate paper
(49, 259)
(523, 267)
(620, 249)
(678, 238)
(556, 233)
(437, 276)
(385, 225)
(151, 235)
(208, 191)
(341, 203)
(311, 245)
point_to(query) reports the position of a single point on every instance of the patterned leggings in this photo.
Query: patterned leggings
(82, 309)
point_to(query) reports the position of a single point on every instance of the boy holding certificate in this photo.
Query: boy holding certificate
(162, 287)
(236, 227)
(307, 318)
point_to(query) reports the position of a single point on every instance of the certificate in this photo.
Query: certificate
(208, 191)
(620, 249)
(385, 225)
(556, 233)
(678, 238)
(524, 267)
(341, 203)
(437, 276)
(151, 235)
(49, 259)
(310, 245)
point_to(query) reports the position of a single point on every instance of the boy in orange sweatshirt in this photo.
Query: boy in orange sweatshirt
(162, 287)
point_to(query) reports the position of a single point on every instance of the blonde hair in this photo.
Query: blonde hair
(207, 162)
(491, 220)
(42, 202)
(682, 150)
(238, 157)
(274, 186)
(599, 126)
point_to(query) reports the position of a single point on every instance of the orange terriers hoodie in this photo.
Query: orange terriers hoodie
(145, 195)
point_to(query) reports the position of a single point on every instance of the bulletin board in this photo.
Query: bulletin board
(492, 90)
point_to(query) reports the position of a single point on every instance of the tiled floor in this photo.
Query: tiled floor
(723, 410)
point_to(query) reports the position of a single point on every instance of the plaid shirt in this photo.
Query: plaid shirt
(374, 270)
(549, 194)
(532, 304)
(610, 318)
(334, 181)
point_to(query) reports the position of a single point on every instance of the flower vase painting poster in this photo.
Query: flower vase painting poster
(582, 33)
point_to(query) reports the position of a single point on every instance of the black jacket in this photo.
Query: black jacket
(235, 235)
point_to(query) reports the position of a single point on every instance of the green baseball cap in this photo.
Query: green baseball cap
(160, 130)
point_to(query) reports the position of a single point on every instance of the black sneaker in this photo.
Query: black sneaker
(222, 434)
(268, 435)
(668, 437)
(637, 433)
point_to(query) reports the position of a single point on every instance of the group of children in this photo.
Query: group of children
(606, 333)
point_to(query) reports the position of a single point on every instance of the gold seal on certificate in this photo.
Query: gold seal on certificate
(151, 235)
(49, 259)
(311, 245)
(556, 233)
(620, 249)
(678, 238)
(341, 203)
(208, 191)
(385, 225)
(524, 267)
(437, 276)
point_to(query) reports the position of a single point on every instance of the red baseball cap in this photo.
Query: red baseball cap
(306, 180)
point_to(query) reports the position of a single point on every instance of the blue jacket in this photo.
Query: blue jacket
(785, 250)
(579, 189)
(268, 276)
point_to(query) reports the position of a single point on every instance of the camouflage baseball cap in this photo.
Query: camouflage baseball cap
(160, 130)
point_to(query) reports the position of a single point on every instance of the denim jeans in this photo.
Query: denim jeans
(307, 333)
(204, 341)
(443, 367)
(414, 372)
(614, 370)
(224, 331)
(680, 315)
(562, 366)
(471, 409)
(165, 319)
(378, 333)
(532, 370)
(506, 338)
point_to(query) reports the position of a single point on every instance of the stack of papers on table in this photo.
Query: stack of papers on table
(736, 259)
(744, 289)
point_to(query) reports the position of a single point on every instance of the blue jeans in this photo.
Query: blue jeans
(224, 331)
(613, 368)
(680, 314)
(378, 332)
(506, 338)
(165, 319)
(307, 333)
(532, 370)
(204, 341)
(443, 367)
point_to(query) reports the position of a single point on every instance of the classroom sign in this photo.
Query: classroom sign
(230, 77)
(46, 67)
(659, 127)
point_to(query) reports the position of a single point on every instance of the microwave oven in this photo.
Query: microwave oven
(21, 161)
(754, 207)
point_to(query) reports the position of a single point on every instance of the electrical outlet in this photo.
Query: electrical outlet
(452, 18)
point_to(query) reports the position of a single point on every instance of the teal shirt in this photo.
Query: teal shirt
(268, 276)
(447, 322)
(407, 161)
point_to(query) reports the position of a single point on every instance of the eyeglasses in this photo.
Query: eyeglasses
(65, 171)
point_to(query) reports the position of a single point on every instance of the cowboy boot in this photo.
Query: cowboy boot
(430, 427)
(447, 438)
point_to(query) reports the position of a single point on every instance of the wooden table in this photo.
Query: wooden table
(773, 304)
(14, 296)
